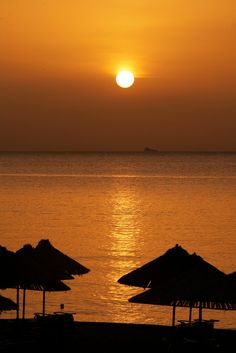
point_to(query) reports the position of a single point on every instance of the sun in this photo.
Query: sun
(125, 79)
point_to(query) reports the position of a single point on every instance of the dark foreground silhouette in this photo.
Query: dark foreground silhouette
(65, 335)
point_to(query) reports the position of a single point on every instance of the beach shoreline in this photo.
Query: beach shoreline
(30, 335)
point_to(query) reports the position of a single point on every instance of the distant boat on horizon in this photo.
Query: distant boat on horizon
(150, 150)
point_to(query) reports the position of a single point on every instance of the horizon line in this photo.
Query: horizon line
(153, 151)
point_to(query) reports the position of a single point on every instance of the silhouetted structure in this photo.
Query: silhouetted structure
(57, 262)
(165, 267)
(41, 268)
(150, 150)
(175, 278)
(59, 265)
(193, 292)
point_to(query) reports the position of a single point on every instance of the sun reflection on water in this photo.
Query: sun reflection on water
(124, 244)
(125, 224)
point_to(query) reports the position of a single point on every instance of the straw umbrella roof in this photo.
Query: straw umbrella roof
(53, 286)
(19, 268)
(30, 266)
(29, 271)
(172, 296)
(169, 266)
(7, 304)
(59, 262)
(194, 288)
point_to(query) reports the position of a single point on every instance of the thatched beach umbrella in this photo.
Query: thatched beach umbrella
(7, 304)
(60, 266)
(58, 262)
(189, 289)
(43, 267)
(30, 274)
(39, 268)
(167, 270)
(169, 265)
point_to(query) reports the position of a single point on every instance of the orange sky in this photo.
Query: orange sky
(58, 61)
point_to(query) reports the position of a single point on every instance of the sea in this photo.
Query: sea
(114, 212)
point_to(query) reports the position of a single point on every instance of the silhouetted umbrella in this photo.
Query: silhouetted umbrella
(191, 288)
(217, 294)
(19, 270)
(40, 268)
(30, 273)
(165, 273)
(58, 262)
(7, 304)
(36, 274)
(169, 265)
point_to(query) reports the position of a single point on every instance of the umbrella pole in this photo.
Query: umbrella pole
(190, 315)
(200, 313)
(17, 301)
(44, 300)
(23, 311)
(173, 315)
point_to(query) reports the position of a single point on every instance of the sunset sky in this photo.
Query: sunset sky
(59, 58)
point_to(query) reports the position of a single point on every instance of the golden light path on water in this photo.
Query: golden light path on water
(124, 239)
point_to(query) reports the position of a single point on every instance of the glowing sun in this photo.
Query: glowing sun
(124, 79)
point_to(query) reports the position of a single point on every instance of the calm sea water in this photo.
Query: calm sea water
(114, 212)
